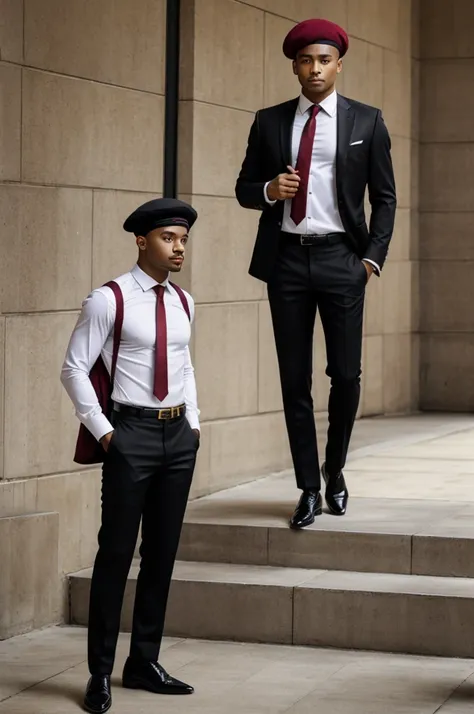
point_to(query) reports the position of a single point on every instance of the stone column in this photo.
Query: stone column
(447, 205)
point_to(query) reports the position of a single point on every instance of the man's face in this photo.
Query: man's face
(317, 67)
(164, 248)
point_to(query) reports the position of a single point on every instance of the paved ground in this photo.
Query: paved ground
(45, 673)
(429, 459)
(405, 475)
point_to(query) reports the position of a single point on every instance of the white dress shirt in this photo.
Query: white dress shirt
(134, 375)
(322, 213)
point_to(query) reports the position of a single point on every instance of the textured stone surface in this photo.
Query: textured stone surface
(251, 677)
(29, 586)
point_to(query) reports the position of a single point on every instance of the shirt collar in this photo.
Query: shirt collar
(329, 105)
(145, 281)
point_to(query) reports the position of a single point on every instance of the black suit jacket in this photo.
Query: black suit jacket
(368, 164)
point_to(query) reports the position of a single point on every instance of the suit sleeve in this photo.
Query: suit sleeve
(382, 194)
(250, 184)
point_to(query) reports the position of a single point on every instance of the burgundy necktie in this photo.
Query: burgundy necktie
(160, 384)
(303, 165)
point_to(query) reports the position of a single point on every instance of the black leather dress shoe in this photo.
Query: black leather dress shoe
(153, 678)
(98, 698)
(309, 506)
(337, 494)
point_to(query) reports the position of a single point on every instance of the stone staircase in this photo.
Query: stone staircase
(392, 575)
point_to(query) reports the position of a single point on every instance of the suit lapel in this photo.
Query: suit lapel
(286, 127)
(345, 124)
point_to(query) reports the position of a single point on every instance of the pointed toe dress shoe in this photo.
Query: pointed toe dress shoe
(337, 494)
(309, 506)
(153, 678)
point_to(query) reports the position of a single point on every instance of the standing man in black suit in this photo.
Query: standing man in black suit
(307, 166)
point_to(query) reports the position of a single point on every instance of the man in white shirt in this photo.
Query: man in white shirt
(308, 164)
(150, 441)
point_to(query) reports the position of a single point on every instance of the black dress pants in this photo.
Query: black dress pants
(146, 476)
(331, 278)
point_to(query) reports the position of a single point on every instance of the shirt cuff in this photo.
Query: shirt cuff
(98, 425)
(272, 203)
(375, 265)
(193, 419)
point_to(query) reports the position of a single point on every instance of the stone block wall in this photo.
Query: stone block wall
(81, 144)
(447, 206)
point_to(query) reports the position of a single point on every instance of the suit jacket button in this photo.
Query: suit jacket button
(279, 223)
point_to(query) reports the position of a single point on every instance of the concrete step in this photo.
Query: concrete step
(403, 536)
(257, 603)
(375, 552)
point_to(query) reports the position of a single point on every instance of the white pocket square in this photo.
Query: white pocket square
(355, 143)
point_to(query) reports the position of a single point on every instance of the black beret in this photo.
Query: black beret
(158, 213)
(312, 32)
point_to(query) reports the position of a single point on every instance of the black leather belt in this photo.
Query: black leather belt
(144, 413)
(309, 239)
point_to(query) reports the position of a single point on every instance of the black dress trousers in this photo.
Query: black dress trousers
(146, 476)
(332, 278)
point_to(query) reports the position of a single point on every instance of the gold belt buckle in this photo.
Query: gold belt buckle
(169, 413)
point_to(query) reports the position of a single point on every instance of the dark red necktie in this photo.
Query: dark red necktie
(303, 166)
(160, 384)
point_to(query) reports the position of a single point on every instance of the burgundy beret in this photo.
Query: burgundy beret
(311, 32)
